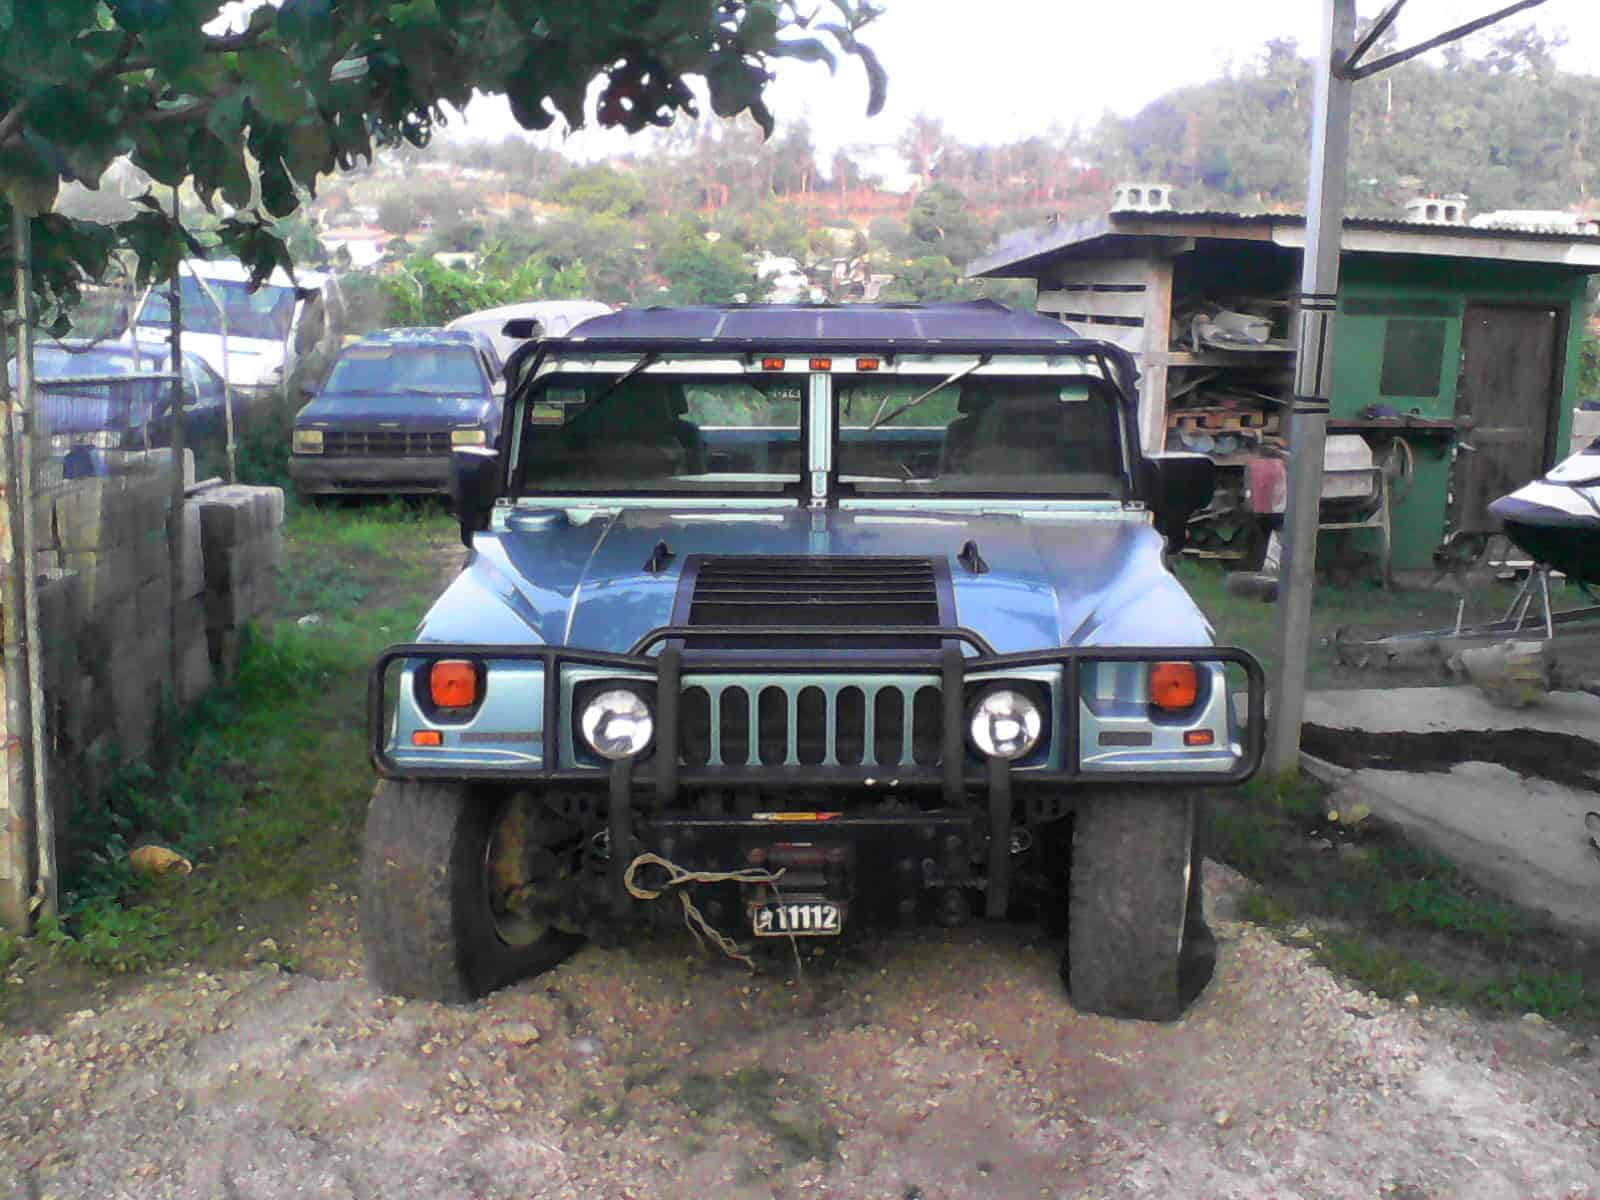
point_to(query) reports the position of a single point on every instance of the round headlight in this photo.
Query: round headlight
(617, 724)
(1005, 724)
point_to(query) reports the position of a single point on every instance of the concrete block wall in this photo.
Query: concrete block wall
(110, 607)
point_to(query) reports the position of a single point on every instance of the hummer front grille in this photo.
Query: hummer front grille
(758, 721)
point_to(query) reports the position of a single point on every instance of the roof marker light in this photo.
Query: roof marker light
(772, 364)
(868, 364)
(822, 364)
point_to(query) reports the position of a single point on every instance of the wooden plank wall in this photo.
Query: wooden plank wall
(1127, 301)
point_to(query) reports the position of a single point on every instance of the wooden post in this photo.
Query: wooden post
(25, 427)
(16, 780)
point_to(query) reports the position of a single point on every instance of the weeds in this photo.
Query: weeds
(1395, 916)
(265, 781)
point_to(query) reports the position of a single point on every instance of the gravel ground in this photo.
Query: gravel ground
(935, 1065)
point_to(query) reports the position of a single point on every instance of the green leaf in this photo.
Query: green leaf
(274, 83)
(806, 50)
(141, 16)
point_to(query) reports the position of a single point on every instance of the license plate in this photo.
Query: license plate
(804, 918)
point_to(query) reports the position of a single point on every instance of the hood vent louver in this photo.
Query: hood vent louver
(814, 590)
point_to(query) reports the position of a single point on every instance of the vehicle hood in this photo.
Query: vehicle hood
(251, 362)
(351, 410)
(1063, 580)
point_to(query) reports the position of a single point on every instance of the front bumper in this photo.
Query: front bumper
(369, 475)
(522, 730)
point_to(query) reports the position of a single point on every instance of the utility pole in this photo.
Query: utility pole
(1313, 380)
(1338, 69)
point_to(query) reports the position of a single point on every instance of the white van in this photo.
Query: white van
(556, 316)
(268, 330)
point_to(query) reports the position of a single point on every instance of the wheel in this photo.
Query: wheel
(460, 891)
(1137, 942)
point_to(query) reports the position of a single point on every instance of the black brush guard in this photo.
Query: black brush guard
(957, 772)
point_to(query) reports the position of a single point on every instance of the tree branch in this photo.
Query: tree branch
(11, 123)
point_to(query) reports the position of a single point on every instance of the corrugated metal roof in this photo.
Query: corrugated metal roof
(1023, 252)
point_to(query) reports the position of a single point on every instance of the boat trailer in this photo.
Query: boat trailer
(1531, 617)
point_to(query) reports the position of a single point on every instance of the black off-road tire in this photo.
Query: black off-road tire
(1137, 942)
(426, 923)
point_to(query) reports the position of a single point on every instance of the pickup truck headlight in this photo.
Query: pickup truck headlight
(308, 441)
(617, 723)
(1005, 723)
(467, 437)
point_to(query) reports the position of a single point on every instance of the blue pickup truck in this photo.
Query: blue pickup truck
(834, 619)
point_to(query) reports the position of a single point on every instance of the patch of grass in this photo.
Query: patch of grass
(782, 1107)
(264, 785)
(1397, 917)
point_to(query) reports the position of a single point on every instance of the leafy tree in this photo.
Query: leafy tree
(940, 220)
(602, 190)
(704, 272)
(397, 213)
(257, 113)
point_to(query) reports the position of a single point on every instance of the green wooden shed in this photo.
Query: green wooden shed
(1456, 352)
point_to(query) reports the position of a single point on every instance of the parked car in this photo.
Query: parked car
(269, 329)
(99, 398)
(827, 616)
(555, 317)
(393, 407)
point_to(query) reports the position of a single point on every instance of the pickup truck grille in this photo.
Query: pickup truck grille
(385, 443)
(749, 721)
(814, 590)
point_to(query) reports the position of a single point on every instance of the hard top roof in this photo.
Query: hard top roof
(966, 327)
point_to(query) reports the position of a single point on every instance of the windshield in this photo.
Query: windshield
(265, 313)
(978, 435)
(661, 433)
(422, 370)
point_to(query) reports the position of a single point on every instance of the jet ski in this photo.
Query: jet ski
(1556, 519)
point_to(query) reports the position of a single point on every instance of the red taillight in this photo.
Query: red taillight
(453, 683)
(1174, 686)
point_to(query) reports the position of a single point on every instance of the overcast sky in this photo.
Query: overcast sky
(997, 70)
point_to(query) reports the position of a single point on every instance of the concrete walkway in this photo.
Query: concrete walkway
(1518, 833)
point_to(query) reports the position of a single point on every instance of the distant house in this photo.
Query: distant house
(1456, 351)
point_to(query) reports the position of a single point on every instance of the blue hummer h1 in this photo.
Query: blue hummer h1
(833, 615)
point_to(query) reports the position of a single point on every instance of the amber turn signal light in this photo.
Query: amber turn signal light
(1199, 737)
(427, 737)
(1174, 686)
(453, 683)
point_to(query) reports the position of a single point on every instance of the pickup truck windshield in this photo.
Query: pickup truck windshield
(442, 370)
(655, 432)
(979, 435)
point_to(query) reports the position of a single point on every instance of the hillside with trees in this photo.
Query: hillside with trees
(713, 210)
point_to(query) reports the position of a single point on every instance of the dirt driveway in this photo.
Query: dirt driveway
(938, 1065)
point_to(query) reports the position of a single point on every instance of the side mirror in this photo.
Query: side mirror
(1177, 487)
(474, 479)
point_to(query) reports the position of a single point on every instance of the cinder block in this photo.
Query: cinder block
(59, 610)
(153, 602)
(87, 514)
(227, 516)
(83, 713)
(135, 701)
(108, 635)
(152, 554)
(190, 617)
(224, 647)
(106, 577)
(192, 580)
(232, 608)
(194, 669)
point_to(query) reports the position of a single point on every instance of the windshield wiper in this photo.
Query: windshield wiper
(647, 360)
(880, 419)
